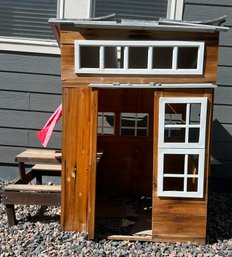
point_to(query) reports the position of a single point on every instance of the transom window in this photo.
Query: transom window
(181, 146)
(139, 57)
(134, 124)
(106, 122)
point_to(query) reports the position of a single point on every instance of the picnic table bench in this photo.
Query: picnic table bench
(44, 163)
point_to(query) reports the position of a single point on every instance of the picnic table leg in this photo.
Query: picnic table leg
(38, 179)
(22, 172)
(10, 211)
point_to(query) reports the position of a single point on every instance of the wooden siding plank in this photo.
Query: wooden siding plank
(13, 137)
(30, 82)
(14, 100)
(28, 63)
(44, 102)
(22, 119)
(210, 73)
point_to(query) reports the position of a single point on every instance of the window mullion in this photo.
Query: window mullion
(187, 123)
(174, 58)
(102, 57)
(185, 172)
(126, 58)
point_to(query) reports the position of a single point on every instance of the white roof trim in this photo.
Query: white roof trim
(139, 25)
(152, 85)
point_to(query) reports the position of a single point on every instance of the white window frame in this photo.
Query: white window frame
(183, 148)
(199, 176)
(148, 70)
(136, 128)
(201, 126)
(102, 126)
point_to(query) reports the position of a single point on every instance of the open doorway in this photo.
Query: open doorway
(124, 174)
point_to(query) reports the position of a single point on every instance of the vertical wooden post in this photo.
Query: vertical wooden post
(93, 153)
(76, 164)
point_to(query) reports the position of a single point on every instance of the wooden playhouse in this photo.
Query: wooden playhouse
(141, 94)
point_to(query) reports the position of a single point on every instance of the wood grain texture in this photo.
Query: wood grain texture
(67, 49)
(189, 214)
(76, 158)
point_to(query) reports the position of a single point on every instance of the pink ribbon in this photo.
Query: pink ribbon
(45, 133)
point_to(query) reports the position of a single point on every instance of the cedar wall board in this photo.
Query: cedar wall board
(67, 53)
(77, 158)
(176, 219)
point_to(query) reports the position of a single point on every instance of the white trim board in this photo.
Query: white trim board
(27, 45)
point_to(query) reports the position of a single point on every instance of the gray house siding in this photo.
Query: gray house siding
(30, 90)
(222, 119)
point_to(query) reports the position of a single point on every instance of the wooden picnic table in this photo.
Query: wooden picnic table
(45, 163)
(35, 156)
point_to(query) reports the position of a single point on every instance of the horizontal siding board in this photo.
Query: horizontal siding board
(223, 95)
(226, 38)
(207, 11)
(43, 102)
(225, 56)
(13, 137)
(224, 76)
(8, 153)
(25, 119)
(14, 100)
(9, 173)
(210, 2)
(54, 142)
(223, 114)
(28, 63)
(30, 82)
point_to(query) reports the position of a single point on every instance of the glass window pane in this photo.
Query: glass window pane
(173, 184)
(195, 112)
(193, 162)
(142, 120)
(138, 57)
(106, 123)
(127, 132)
(192, 185)
(89, 56)
(187, 57)
(174, 163)
(111, 57)
(174, 135)
(142, 132)
(162, 57)
(128, 120)
(194, 134)
(127, 9)
(176, 113)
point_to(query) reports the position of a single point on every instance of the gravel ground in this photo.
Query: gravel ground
(38, 233)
